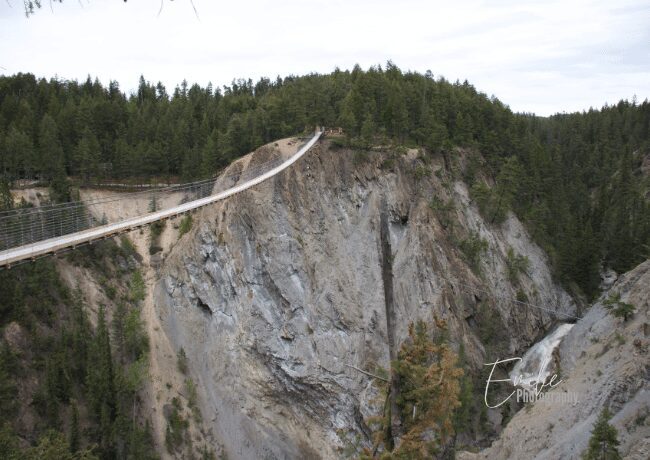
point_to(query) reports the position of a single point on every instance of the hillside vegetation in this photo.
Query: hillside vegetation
(69, 384)
(576, 179)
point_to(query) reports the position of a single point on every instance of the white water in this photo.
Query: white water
(535, 366)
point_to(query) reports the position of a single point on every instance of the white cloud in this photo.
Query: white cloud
(539, 56)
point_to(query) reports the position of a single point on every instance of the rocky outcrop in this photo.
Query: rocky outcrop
(604, 363)
(276, 292)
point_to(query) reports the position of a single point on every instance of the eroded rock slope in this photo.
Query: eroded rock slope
(274, 293)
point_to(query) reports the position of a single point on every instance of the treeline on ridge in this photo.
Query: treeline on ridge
(575, 179)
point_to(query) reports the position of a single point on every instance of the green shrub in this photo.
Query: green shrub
(473, 248)
(156, 229)
(182, 361)
(619, 338)
(136, 340)
(192, 400)
(442, 210)
(421, 171)
(136, 287)
(338, 143)
(618, 308)
(185, 225)
(388, 164)
(127, 246)
(516, 264)
(521, 296)
(360, 157)
(491, 330)
(177, 427)
(110, 291)
(474, 164)
(490, 205)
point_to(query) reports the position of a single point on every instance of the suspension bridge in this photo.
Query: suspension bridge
(30, 233)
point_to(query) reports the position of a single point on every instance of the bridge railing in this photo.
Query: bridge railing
(23, 226)
(20, 225)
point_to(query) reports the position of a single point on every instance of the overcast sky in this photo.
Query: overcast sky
(542, 56)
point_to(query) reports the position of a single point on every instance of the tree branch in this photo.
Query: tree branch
(367, 373)
(195, 12)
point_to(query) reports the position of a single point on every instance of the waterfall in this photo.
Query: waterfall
(535, 366)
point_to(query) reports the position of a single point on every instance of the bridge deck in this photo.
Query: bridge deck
(53, 245)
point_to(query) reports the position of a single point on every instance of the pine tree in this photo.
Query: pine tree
(429, 389)
(100, 377)
(9, 442)
(74, 429)
(80, 338)
(8, 389)
(509, 183)
(51, 446)
(587, 269)
(6, 200)
(437, 137)
(347, 119)
(463, 415)
(122, 164)
(603, 442)
(368, 130)
(87, 156)
(210, 157)
(52, 153)
(19, 148)
(429, 393)
(618, 308)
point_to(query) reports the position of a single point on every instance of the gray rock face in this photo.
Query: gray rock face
(277, 291)
(605, 363)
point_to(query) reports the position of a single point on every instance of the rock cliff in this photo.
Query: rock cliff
(275, 293)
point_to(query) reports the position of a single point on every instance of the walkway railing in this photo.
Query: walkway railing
(34, 232)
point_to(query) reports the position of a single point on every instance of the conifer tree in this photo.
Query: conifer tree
(19, 149)
(6, 200)
(429, 389)
(52, 152)
(87, 156)
(429, 393)
(74, 429)
(603, 444)
(100, 380)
